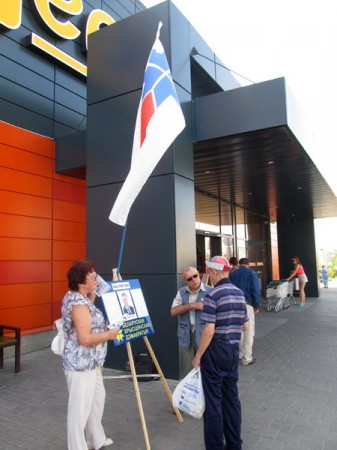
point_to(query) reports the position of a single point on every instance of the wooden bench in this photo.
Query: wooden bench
(9, 341)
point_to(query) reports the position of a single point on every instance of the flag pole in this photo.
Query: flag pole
(121, 249)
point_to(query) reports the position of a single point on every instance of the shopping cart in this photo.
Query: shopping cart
(291, 287)
(279, 294)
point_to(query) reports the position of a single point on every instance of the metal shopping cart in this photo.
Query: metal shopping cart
(291, 287)
(279, 294)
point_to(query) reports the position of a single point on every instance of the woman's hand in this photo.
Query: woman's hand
(112, 333)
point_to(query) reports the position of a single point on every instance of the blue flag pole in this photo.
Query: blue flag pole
(121, 250)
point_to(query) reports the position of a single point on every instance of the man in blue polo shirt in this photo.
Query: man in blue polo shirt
(247, 280)
(225, 316)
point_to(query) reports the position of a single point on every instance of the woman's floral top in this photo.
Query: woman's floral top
(75, 356)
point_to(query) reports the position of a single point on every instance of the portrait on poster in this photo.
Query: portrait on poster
(126, 309)
(126, 303)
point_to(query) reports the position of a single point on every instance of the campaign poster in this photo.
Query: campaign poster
(126, 309)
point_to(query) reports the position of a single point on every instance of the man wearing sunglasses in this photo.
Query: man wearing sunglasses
(187, 306)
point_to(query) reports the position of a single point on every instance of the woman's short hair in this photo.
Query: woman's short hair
(78, 272)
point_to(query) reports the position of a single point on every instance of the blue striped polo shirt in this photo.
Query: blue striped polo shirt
(225, 306)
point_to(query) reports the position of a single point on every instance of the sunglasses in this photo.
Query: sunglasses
(196, 275)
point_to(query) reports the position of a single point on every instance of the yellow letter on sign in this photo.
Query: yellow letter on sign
(96, 19)
(10, 13)
(63, 29)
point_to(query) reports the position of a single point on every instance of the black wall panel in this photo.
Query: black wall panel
(68, 117)
(297, 238)
(160, 232)
(22, 117)
(149, 252)
(72, 155)
(110, 137)
(70, 100)
(123, 39)
(255, 107)
(24, 57)
(150, 231)
(20, 96)
(27, 79)
(31, 85)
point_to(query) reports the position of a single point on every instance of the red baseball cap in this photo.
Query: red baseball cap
(219, 263)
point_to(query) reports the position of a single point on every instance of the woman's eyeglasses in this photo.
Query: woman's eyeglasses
(193, 276)
(92, 276)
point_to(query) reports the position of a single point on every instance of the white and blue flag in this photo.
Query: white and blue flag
(159, 121)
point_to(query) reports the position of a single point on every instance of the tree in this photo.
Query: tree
(332, 267)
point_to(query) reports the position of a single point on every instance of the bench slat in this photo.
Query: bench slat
(7, 341)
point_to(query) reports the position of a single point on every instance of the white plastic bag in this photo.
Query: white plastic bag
(57, 345)
(188, 396)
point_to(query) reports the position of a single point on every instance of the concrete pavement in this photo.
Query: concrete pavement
(289, 397)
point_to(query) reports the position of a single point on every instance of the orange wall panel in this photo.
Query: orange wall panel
(69, 211)
(56, 311)
(274, 252)
(59, 289)
(28, 317)
(27, 294)
(25, 227)
(12, 180)
(69, 231)
(12, 272)
(25, 249)
(18, 137)
(60, 269)
(69, 192)
(42, 229)
(14, 158)
(25, 205)
(68, 250)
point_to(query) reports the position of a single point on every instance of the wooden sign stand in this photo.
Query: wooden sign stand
(116, 277)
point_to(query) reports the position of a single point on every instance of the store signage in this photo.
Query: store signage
(48, 11)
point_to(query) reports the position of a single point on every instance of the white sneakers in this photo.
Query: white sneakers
(107, 443)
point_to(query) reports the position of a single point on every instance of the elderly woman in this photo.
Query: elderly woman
(84, 353)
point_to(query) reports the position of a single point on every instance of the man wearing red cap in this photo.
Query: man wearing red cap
(225, 316)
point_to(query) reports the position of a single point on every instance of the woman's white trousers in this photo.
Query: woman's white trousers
(85, 409)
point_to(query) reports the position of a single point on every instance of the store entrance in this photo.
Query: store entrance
(209, 245)
(257, 252)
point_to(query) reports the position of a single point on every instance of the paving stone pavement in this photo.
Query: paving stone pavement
(289, 397)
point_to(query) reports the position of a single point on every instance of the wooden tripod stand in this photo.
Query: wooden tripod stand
(116, 277)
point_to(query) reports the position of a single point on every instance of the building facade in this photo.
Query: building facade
(237, 181)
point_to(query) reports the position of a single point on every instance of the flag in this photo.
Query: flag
(159, 121)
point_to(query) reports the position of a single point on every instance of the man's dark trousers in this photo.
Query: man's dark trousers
(222, 417)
